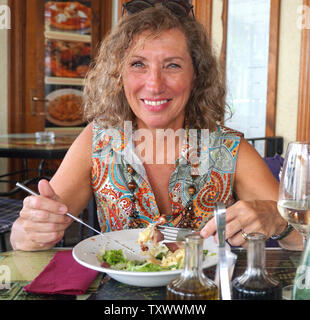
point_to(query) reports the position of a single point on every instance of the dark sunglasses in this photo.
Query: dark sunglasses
(180, 8)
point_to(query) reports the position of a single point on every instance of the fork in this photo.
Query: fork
(173, 233)
(224, 280)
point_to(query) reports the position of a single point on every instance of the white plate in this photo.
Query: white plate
(56, 94)
(85, 254)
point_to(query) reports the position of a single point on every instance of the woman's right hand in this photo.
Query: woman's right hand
(42, 221)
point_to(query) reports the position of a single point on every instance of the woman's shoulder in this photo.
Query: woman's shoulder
(225, 135)
(226, 131)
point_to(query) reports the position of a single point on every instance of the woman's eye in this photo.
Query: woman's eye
(174, 66)
(137, 64)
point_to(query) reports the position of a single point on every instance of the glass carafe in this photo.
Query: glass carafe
(192, 283)
(255, 283)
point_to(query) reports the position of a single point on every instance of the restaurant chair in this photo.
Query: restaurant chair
(10, 200)
(273, 145)
(89, 216)
(273, 152)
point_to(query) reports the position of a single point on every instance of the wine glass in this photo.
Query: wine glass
(294, 198)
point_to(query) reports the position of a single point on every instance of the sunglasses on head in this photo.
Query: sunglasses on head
(180, 8)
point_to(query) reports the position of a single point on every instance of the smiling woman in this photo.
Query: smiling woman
(158, 77)
(156, 71)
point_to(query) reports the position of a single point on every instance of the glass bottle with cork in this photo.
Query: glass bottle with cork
(255, 283)
(192, 284)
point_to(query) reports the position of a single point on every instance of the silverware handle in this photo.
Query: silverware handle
(220, 217)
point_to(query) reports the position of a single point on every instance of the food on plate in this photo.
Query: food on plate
(115, 259)
(164, 261)
(161, 256)
(149, 234)
(67, 59)
(68, 15)
(67, 107)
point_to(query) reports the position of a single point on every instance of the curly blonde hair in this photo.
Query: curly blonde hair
(104, 95)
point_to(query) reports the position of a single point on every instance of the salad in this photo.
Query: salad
(115, 259)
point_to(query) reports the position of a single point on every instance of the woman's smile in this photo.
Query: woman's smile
(156, 105)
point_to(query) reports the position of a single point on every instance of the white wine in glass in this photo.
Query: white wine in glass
(296, 213)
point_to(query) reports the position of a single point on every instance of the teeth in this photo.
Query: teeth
(155, 103)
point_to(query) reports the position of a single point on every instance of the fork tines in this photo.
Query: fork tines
(173, 233)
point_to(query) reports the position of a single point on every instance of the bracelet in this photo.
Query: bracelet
(285, 233)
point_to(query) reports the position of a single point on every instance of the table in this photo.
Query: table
(25, 145)
(25, 266)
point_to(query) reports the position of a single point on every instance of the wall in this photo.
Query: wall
(288, 75)
(3, 77)
(3, 87)
(289, 60)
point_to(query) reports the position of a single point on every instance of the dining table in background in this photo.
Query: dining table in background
(25, 266)
(27, 146)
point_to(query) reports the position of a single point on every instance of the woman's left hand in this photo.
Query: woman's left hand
(247, 217)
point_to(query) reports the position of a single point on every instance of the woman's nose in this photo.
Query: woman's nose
(155, 81)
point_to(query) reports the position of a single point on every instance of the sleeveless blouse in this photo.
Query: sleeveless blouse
(112, 151)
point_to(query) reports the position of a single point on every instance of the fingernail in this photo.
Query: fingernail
(62, 209)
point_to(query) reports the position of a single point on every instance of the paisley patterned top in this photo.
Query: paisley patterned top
(113, 151)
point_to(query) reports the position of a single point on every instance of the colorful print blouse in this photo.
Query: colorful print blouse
(113, 152)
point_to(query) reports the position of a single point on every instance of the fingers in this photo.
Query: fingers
(238, 240)
(233, 232)
(247, 216)
(28, 236)
(43, 228)
(40, 209)
(209, 229)
(46, 190)
(233, 225)
(239, 217)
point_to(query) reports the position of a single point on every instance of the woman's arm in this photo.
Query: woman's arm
(72, 181)
(42, 220)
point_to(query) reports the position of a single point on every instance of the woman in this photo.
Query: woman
(155, 79)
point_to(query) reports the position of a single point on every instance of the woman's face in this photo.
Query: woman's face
(158, 79)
